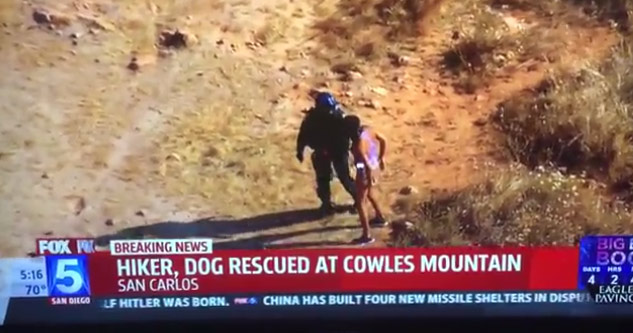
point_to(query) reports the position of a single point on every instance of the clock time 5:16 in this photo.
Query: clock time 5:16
(31, 274)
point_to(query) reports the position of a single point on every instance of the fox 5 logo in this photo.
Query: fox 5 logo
(67, 276)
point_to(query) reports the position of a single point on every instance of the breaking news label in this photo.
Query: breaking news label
(161, 247)
(606, 268)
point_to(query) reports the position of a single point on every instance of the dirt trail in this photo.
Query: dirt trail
(76, 123)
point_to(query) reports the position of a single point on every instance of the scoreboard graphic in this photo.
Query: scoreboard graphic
(605, 261)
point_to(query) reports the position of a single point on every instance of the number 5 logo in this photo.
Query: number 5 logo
(65, 271)
(67, 276)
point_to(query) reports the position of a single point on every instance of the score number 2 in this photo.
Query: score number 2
(615, 279)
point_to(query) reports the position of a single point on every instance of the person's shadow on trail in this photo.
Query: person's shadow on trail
(220, 229)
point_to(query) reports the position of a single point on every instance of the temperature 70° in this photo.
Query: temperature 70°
(36, 290)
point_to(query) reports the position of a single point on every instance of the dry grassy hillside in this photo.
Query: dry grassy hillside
(113, 128)
(569, 136)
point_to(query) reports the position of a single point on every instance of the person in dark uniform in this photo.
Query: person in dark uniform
(324, 131)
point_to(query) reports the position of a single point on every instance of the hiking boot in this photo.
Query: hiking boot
(378, 222)
(363, 240)
(327, 209)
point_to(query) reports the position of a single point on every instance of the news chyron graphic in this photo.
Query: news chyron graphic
(606, 268)
(67, 269)
(137, 279)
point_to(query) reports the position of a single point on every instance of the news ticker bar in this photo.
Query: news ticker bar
(339, 305)
(602, 295)
(346, 300)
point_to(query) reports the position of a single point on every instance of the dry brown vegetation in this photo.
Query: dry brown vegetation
(367, 29)
(485, 41)
(196, 158)
(547, 6)
(228, 148)
(618, 11)
(515, 207)
(579, 120)
(273, 30)
(482, 41)
(572, 134)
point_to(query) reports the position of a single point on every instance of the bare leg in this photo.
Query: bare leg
(374, 203)
(361, 195)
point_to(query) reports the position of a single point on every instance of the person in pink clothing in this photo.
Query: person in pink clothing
(368, 150)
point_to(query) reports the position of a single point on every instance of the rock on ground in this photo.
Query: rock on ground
(44, 16)
(76, 204)
(407, 190)
(177, 39)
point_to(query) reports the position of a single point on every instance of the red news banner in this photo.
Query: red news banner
(335, 270)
